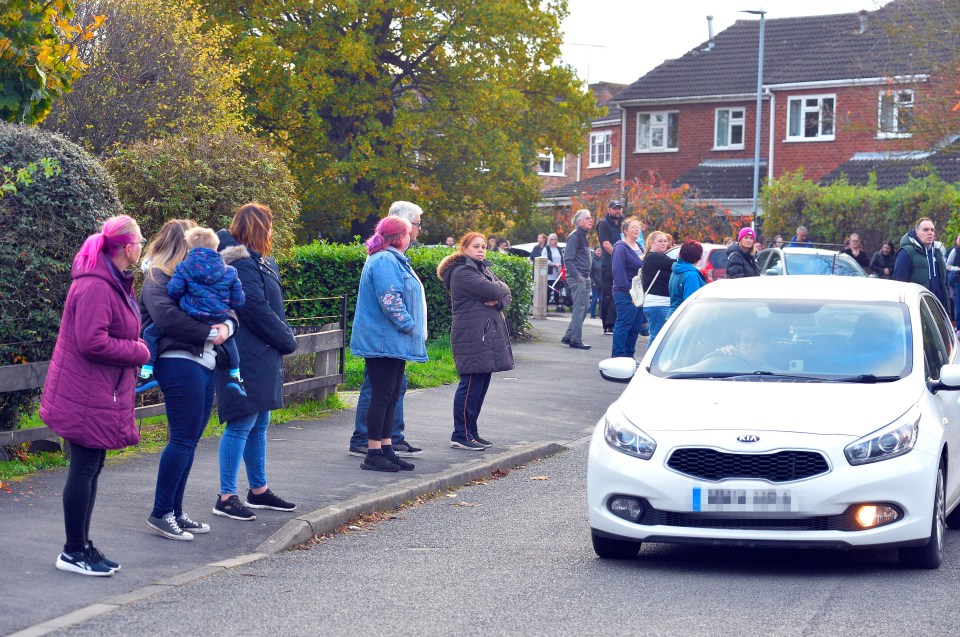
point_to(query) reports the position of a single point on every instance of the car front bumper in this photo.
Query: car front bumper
(906, 482)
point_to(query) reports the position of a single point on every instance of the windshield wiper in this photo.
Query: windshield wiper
(685, 375)
(865, 379)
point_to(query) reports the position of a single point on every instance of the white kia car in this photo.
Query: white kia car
(785, 411)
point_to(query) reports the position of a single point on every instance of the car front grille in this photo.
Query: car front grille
(780, 466)
(654, 517)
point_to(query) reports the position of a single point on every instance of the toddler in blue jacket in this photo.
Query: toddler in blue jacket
(207, 290)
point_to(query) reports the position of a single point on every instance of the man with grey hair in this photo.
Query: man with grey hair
(576, 259)
(801, 239)
(358, 441)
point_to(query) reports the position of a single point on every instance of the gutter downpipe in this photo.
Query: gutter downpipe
(623, 146)
(773, 110)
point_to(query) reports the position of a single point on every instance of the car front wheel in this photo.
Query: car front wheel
(613, 549)
(931, 554)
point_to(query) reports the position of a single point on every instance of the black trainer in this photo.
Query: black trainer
(233, 508)
(483, 442)
(96, 555)
(268, 500)
(358, 450)
(83, 563)
(400, 462)
(404, 448)
(379, 463)
(146, 382)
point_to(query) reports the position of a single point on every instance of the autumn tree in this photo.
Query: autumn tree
(662, 206)
(38, 56)
(155, 69)
(445, 102)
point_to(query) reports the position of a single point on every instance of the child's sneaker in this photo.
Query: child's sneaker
(146, 382)
(236, 384)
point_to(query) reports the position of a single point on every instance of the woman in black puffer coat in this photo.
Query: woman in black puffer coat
(478, 335)
(740, 259)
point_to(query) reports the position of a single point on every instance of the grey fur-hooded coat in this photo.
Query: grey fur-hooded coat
(478, 335)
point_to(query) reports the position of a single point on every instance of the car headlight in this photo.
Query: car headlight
(891, 441)
(625, 437)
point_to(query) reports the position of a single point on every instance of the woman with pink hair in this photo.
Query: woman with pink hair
(88, 395)
(389, 329)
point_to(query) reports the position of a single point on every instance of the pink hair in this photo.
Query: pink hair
(388, 234)
(116, 232)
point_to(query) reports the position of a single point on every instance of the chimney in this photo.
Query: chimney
(709, 33)
(863, 20)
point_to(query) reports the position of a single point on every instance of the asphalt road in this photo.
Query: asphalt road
(513, 556)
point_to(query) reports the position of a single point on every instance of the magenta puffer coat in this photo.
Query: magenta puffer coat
(88, 395)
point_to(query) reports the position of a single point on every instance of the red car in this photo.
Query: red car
(713, 263)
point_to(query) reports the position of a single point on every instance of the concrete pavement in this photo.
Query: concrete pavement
(553, 396)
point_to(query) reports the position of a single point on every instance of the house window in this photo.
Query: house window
(657, 132)
(811, 117)
(551, 166)
(729, 128)
(600, 150)
(896, 112)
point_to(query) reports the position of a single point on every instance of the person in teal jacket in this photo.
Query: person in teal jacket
(685, 278)
(389, 329)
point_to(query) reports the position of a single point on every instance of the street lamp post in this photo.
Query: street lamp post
(756, 146)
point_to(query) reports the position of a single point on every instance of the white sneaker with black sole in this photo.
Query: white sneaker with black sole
(167, 527)
(82, 563)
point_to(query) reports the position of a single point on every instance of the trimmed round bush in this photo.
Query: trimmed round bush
(42, 226)
(205, 177)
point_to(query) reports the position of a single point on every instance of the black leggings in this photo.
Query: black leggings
(386, 378)
(80, 494)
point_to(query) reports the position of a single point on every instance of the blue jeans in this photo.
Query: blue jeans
(627, 327)
(359, 436)
(956, 304)
(657, 316)
(594, 301)
(467, 403)
(188, 393)
(244, 438)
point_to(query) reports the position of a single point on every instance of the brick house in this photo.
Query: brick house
(599, 167)
(836, 89)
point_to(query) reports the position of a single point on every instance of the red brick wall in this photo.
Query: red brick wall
(695, 140)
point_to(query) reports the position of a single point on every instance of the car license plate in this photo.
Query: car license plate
(743, 500)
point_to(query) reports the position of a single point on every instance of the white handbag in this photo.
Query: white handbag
(637, 293)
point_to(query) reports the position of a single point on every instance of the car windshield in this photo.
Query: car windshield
(839, 264)
(817, 340)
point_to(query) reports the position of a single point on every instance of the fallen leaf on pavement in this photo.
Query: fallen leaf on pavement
(540, 478)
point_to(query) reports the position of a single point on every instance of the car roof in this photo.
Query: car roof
(799, 250)
(828, 288)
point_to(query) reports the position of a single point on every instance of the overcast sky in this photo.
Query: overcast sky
(638, 35)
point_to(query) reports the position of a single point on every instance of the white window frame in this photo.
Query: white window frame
(601, 149)
(896, 105)
(646, 145)
(553, 171)
(805, 109)
(731, 124)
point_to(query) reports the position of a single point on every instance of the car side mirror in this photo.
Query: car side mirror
(949, 379)
(619, 370)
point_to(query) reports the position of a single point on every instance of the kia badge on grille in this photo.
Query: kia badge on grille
(748, 438)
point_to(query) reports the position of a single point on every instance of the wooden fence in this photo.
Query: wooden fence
(327, 342)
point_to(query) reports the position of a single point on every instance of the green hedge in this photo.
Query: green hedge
(42, 225)
(328, 270)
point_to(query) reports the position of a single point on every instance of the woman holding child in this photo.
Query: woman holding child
(184, 369)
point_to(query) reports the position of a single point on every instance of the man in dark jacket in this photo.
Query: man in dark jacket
(576, 259)
(918, 261)
(740, 260)
(608, 231)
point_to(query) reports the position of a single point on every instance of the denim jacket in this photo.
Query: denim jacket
(391, 316)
